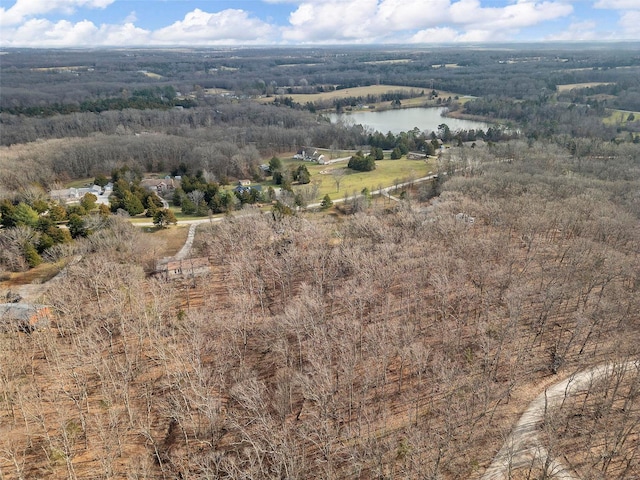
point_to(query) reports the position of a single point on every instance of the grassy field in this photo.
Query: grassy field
(153, 75)
(80, 183)
(620, 117)
(39, 274)
(386, 174)
(570, 86)
(170, 240)
(417, 101)
(216, 91)
(389, 62)
(356, 92)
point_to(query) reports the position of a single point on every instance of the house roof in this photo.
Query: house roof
(26, 316)
(20, 311)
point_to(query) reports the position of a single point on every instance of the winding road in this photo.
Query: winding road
(523, 447)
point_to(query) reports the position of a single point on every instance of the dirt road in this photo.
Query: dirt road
(523, 447)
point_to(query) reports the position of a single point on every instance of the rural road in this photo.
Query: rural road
(523, 446)
(186, 248)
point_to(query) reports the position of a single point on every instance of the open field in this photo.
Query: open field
(216, 91)
(348, 92)
(389, 62)
(60, 69)
(39, 274)
(571, 86)
(152, 75)
(620, 117)
(169, 240)
(386, 174)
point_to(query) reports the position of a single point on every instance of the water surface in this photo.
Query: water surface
(405, 119)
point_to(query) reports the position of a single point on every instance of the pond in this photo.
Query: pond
(405, 119)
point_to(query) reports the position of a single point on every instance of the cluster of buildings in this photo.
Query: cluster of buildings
(74, 195)
(310, 155)
(161, 186)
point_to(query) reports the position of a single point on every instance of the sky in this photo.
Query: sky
(109, 23)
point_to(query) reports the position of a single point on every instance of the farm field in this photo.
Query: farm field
(357, 92)
(570, 86)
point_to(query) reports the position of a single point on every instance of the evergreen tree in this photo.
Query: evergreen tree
(326, 202)
(164, 217)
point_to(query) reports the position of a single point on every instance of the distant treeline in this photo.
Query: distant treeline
(148, 98)
(544, 119)
(41, 77)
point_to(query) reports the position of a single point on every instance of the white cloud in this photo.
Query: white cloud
(127, 34)
(63, 33)
(629, 11)
(410, 20)
(131, 18)
(436, 35)
(411, 14)
(451, 35)
(630, 23)
(24, 9)
(39, 32)
(618, 4)
(579, 31)
(225, 27)
(332, 20)
(515, 16)
(197, 28)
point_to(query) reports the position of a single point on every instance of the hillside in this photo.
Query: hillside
(403, 341)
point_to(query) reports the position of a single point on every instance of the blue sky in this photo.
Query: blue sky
(90, 23)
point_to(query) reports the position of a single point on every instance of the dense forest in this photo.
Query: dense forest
(398, 335)
(520, 73)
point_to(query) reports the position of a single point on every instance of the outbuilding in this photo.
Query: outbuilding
(25, 317)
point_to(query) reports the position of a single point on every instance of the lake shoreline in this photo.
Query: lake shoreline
(405, 119)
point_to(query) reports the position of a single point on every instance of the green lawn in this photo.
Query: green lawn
(386, 174)
(80, 183)
(619, 117)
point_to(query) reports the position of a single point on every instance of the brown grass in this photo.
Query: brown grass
(168, 240)
(345, 93)
(39, 274)
(571, 86)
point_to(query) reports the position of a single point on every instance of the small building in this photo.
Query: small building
(185, 268)
(74, 195)
(24, 317)
(159, 186)
(244, 183)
